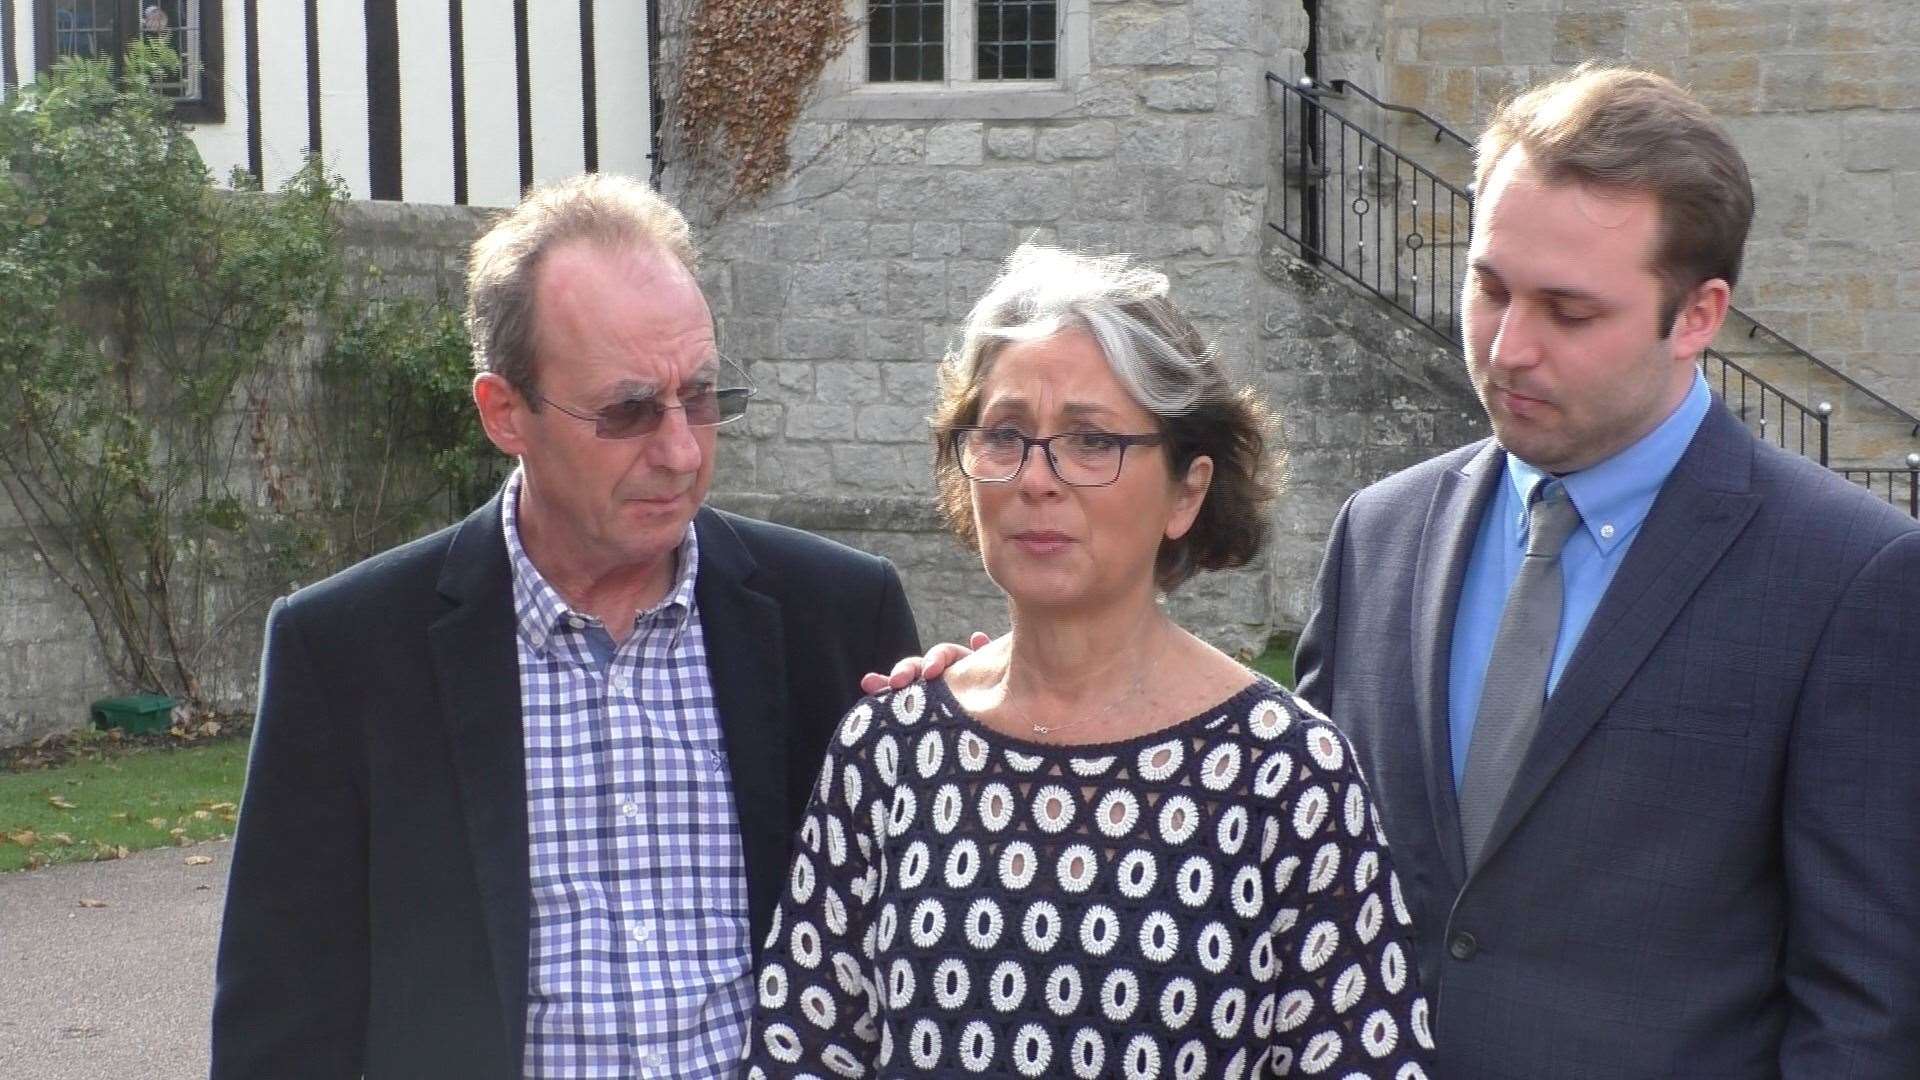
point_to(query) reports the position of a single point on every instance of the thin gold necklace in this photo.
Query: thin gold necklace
(1133, 693)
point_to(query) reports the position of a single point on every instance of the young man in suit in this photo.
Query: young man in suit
(522, 792)
(1638, 692)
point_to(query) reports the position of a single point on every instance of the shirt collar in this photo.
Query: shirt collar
(539, 609)
(1615, 495)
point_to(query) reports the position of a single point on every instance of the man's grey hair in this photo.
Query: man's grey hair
(617, 213)
(1155, 353)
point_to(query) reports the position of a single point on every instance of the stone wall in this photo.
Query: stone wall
(51, 666)
(1822, 97)
(843, 288)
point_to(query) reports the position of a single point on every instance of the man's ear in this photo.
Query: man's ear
(1192, 493)
(1700, 317)
(504, 414)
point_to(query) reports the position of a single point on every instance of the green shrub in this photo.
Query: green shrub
(193, 413)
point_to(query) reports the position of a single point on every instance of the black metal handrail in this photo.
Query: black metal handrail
(1334, 156)
(1440, 129)
(1359, 213)
(1888, 482)
(1341, 87)
(1755, 326)
(1734, 382)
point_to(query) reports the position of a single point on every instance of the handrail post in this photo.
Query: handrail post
(1311, 218)
(1913, 485)
(1825, 409)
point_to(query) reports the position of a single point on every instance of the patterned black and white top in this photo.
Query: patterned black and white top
(1212, 900)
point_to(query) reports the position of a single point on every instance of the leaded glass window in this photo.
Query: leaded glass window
(906, 40)
(1016, 39)
(103, 29)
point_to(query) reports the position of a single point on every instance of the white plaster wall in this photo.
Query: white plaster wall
(343, 91)
(553, 61)
(426, 104)
(223, 146)
(22, 38)
(622, 90)
(493, 148)
(283, 91)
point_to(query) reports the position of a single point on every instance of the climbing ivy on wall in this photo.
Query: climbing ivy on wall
(748, 67)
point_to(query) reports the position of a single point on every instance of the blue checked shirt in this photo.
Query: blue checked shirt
(640, 959)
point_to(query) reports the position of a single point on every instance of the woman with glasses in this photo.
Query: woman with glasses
(1097, 846)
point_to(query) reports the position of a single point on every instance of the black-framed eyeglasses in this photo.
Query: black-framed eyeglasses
(995, 455)
(702, 404)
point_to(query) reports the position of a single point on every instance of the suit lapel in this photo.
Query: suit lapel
(1698, 514)
(478, 670)
(746, 659)
(1453, 521)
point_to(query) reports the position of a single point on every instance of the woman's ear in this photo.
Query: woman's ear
(1191, 492)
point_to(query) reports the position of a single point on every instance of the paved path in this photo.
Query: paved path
(120, 992)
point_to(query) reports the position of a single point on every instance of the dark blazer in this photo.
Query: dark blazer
(1709, 863)
(377, 910)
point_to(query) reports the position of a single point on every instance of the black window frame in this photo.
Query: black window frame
(965, 59)
(211, 105)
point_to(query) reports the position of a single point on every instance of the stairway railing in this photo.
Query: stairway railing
(1755, 328)
(1357, 207)
(1897, 486)
(1356, 196)
(1342, 87)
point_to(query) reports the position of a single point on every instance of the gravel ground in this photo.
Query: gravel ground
(115, 992)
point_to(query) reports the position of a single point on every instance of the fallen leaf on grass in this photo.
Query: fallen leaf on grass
(25, 838)
(220, 807)
(202, 815)
(92, 903)
(199, 860)
(60, 839)
(58, 803)
(124, 817)
(157, 822)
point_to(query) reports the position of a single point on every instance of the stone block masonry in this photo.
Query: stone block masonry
(842, 289)
(1168, 153)
(1161, 151)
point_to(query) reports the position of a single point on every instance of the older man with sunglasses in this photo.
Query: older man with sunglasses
(521, 792)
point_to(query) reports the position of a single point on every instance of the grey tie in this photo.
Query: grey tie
(1516, 683)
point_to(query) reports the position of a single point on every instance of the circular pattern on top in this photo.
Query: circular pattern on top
(1214, 900)
(910, 704)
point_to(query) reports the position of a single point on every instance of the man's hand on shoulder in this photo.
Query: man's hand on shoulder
(930, 666)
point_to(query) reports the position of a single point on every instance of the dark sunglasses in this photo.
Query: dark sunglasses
(637, 416)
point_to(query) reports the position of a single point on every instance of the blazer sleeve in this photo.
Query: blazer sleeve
(818, 1007)
(290, 997)
(895, 634)
(1851, 835)
(1313, 654)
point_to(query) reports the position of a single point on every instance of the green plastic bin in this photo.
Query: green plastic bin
(134, 714)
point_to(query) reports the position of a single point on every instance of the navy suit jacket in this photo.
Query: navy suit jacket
(1709, 863)
(377, 908)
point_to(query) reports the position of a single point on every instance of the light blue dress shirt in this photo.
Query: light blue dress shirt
(1613, 498)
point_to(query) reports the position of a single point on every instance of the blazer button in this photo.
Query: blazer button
(1462, 945)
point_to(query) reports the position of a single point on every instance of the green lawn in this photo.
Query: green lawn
(123, 803)
(1277, 662)
(146, 798)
